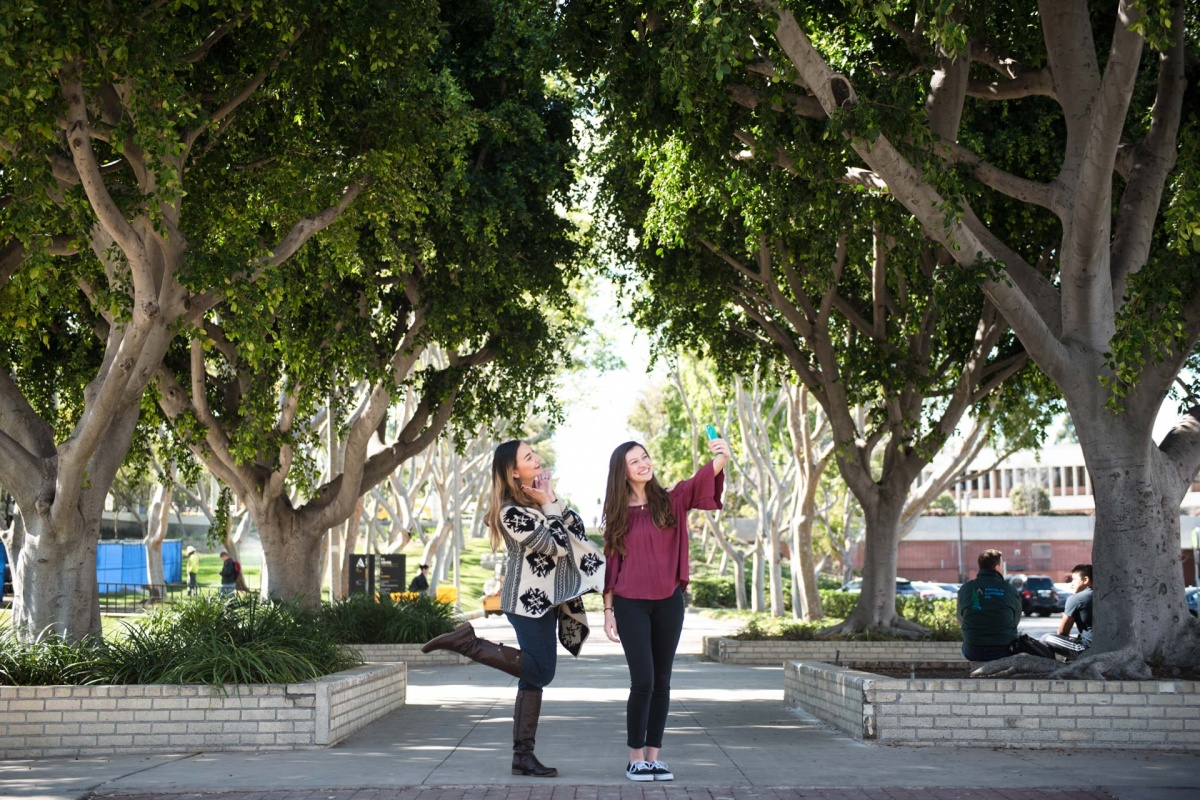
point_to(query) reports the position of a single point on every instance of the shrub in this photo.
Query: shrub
(49, 661)
(713, 593)
(1029, 500)
(938, 617)
(838, 604)
(358, 619)
(202, 640)
(760, 628)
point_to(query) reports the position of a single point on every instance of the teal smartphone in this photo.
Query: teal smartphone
(712, 432)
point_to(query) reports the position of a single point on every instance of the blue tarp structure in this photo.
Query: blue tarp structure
(119, 564)
(125, 563)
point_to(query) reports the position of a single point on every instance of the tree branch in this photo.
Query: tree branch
(1031, 83)
(241, 96)
(214, 452)
(79, 140)
(800, 105)
(211, 40)
(1029, 191)
(1181, 447)
(300, 233)
(1086, 275)
(21, 422)
(1152, 160)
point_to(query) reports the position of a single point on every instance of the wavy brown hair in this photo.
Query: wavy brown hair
(616, 502)
(505, 489)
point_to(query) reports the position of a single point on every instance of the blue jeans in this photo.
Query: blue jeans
(989, 653)
(538, 638)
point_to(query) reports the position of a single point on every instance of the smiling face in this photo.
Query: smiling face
(638, 469)
(527, 467)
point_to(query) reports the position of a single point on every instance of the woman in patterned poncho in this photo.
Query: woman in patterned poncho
(550, 563)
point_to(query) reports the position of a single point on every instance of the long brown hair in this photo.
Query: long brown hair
(616, 502)
(506, 491)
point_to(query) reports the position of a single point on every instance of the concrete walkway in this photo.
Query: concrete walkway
(729, 738)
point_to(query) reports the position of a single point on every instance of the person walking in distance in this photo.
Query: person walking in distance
(420, 581)
(229, 574)
(549, 564)
(646, 544)
(193, 571)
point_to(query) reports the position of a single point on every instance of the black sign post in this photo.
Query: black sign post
(391, 574)
(362, 573)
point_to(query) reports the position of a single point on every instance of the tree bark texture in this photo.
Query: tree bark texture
(293, 553)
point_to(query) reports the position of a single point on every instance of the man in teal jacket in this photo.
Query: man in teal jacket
(989, 609)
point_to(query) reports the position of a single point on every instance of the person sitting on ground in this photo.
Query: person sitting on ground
(1077, 613)
(989, 609)
(420, 582)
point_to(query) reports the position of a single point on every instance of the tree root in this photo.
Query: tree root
(1021, 665)
(1126, 664)
(1185, 645)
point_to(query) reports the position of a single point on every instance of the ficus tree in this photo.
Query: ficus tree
(462, 300)
(1109, 306)
(154, 157)
(755, 262)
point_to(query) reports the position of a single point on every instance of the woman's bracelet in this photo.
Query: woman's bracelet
(609, 608)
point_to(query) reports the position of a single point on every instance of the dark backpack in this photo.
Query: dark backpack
(1027, 644)
(237, 569)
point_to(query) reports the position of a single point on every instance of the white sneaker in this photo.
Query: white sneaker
(661, 772)
(639, 771)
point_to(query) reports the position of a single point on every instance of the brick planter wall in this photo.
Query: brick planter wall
(1014, 713)
(39, 721)
(859, 654)
(408, 653)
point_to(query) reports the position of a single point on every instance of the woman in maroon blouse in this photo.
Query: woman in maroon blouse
(646, 546)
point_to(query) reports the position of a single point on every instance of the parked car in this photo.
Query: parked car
(934, 591)
(952, 588)
(1192, 594)
(903, 586)
(1038, 595)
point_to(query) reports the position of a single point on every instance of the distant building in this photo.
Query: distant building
(1047, 544)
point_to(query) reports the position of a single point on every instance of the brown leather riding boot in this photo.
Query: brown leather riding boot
(525, 722)
(462, 640)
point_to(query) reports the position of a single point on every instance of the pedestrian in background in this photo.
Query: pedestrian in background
(193, 571)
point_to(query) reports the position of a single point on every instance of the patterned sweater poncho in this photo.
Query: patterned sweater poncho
(550, 563)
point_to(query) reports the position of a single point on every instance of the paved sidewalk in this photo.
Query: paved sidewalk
(728, 738)
(632, 792)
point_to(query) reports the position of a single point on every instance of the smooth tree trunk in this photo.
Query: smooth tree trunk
(758, 578)
(1138, 595)
(63, 600)
(156, 534)
(293, 554)
(775, 565)
(876, 606)
(806, 599)
(53, 555)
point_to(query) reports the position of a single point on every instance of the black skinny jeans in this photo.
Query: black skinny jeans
(649, 631)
